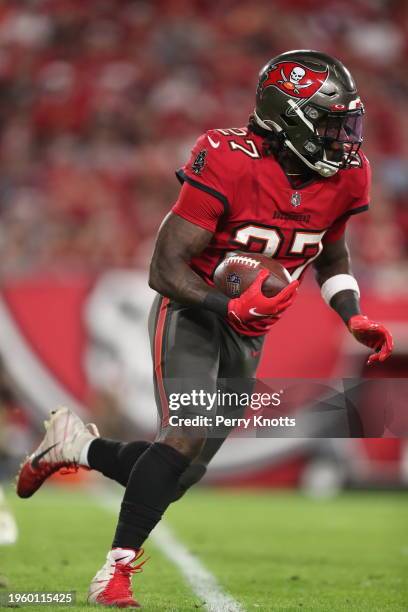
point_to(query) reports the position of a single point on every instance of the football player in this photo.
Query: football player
(284, 186)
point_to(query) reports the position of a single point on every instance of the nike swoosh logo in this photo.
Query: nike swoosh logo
(35, 463)
(253, 312)
(214, 144)
(121, 559)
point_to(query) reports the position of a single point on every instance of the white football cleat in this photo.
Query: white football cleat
(112, 585)
(66, 436)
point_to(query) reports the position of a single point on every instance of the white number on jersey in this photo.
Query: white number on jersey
(273, 238)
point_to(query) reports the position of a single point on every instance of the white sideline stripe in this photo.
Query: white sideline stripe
(201, 580)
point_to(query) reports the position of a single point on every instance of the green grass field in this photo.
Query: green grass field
(274, 551)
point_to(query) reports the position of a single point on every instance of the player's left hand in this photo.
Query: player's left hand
(373, 335)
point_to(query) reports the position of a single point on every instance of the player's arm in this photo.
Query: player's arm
(340, 291)
(177, 243)
(333, 261)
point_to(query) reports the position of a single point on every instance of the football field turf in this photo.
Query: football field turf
(272, 551)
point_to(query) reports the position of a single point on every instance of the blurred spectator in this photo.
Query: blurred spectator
(101, 101)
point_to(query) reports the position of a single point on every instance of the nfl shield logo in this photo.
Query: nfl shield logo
(296, 199)
(233, 284)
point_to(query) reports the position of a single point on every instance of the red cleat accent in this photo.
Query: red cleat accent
(112, 585)
(118, 591)
(60, 449)
(31, 477)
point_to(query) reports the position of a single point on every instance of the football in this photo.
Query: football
(239, 270)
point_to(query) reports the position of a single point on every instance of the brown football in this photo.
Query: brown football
(239, 270)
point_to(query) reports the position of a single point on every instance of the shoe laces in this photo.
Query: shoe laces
(121, 579)
(66, 467)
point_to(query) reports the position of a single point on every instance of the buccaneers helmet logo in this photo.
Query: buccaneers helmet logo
(294, 80)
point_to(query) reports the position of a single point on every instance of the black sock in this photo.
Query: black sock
(152, 486)
(189, 477)
(115, 459)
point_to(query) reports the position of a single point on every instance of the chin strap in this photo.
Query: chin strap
(324, 167)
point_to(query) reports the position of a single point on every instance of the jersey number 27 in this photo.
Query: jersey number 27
(303, 244)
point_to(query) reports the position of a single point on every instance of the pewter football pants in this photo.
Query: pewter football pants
(194, 348)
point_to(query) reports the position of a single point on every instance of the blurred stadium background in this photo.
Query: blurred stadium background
(100, 102)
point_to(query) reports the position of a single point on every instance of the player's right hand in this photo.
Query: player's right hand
(253, 314)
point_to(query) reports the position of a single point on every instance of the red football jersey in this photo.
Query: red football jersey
(245, 199)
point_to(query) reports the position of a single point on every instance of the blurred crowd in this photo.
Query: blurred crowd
(100, 102)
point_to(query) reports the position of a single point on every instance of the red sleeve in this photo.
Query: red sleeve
(207, 169)
(198, 207)
(356, 199)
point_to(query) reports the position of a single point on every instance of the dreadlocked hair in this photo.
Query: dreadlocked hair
(272, 143)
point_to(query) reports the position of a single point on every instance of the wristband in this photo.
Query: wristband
(216, 302)
(337, 283)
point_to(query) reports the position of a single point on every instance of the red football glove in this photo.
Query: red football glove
(373, 335)
(253, 314)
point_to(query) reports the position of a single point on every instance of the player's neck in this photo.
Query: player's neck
(297, 172)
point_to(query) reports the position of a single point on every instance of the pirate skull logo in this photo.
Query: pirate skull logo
(293, 82)
(293, 79)
(297, 75)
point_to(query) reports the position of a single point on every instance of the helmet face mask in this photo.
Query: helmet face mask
(311, 101)
(332, 137)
